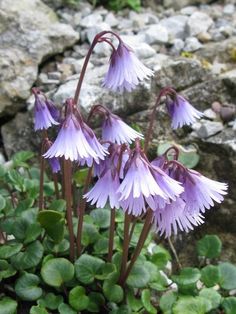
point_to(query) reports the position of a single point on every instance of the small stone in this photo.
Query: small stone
(144, 51)
(2, 159)
(178, 45)
(210, 114)
(43, 78)
(139, 20)
(156, 34)
(125, 24)
(176, 26)
(216, 106)
(102, 49)
(226, 30)
(65, 69)
(77, 19)
(204, 37)
(229, 9)
(91, 20)
(209, 128)
(152, 19)
(111, 20)
(216, 35)
(188, 10)
(52, 82)
(54, 75)
(192, 44)
(199, 22)
(78, 64)
(234, 125)
(227, 113)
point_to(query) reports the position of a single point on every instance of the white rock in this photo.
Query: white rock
(111, 20)
(91, 20)
(2, 159)
(176, 26)
(209, 128)
(156, 34)
(229, 9)
(178, 45)
(199, 22)
(144, 51)
(77, 65)
(77, 19)
(188, 10)
(102, 49)
(210, 114)
(192, 44)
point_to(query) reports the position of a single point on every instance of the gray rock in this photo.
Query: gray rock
(229, 9)
(176, 26)
(144, 51)
(30, 32)
(54, 75)
(192, 44)
(178, 45)
(188, 10)
(102, 49)
(156, 34)
(210, 114)
(204, 37)
(91, 20)
(199, 22)
(111, 20)
(209, 128)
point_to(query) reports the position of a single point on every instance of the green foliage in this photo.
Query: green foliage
(118, 5)
(35, 265)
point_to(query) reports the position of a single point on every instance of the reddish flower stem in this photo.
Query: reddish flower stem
(68, 198)
(125, 246)
(164, 91)
(81, 209)
(111, 234)
(143, 236)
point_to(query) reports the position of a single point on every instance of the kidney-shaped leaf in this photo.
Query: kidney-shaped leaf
(27, 287)
(53, 222)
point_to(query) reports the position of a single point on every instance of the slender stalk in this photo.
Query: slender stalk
(125, 246)
(81, 209)
(152, 118)
(55, 180)
(68, 198)
(111, 234)
(143, 236)
(174, 253)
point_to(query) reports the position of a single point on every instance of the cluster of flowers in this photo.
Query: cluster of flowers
(177, 196)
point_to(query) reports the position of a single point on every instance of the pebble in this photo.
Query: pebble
(144, 51)
(229, 9)
(210, 114)
(156, 34)
(54, 75)
(199, 22)
(111, 20)
(91, 20)
(204, 37)
(209, 128)
(188, 10)
(102, 49)
(192, 44)
(176, 26)
(178, 45)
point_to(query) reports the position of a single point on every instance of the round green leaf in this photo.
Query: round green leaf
(105, 271)
(210, 275)
(27, 287)
(32, 233)
(146, 300)
(58, 205)
(134, 303)
(90, 234)
(2, 202)
(6, 270)
(160, 256)
(101, 217)
(211, 295)
(138, 277)
(227, 276)
(38, 310)
(96, 300)
(167, 300)
(7, 251)
(56, 271)
(29, 258)
(191, 305)
(114, 293)
(61, 247)
(51, 301)
(87, 267)
(101, 246)
(65, 309)
(187, 276)
(77, 298)
(209, 246)
(229, 305)
(8, 306)
(53, 223)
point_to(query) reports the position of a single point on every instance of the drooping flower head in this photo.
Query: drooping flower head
(43, 119)
(75, 140)
(125, 70)
(54, 161)
(181, 112)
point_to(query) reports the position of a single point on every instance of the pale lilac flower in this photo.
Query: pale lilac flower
(174, 216)
(138, 186)
(105, 190)
(54, 164)
(55, 113)
(181, 112)
(117, 131)
(171, 188)
(43, 119)
(125, 70)
(76, 142)
(201, 192)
